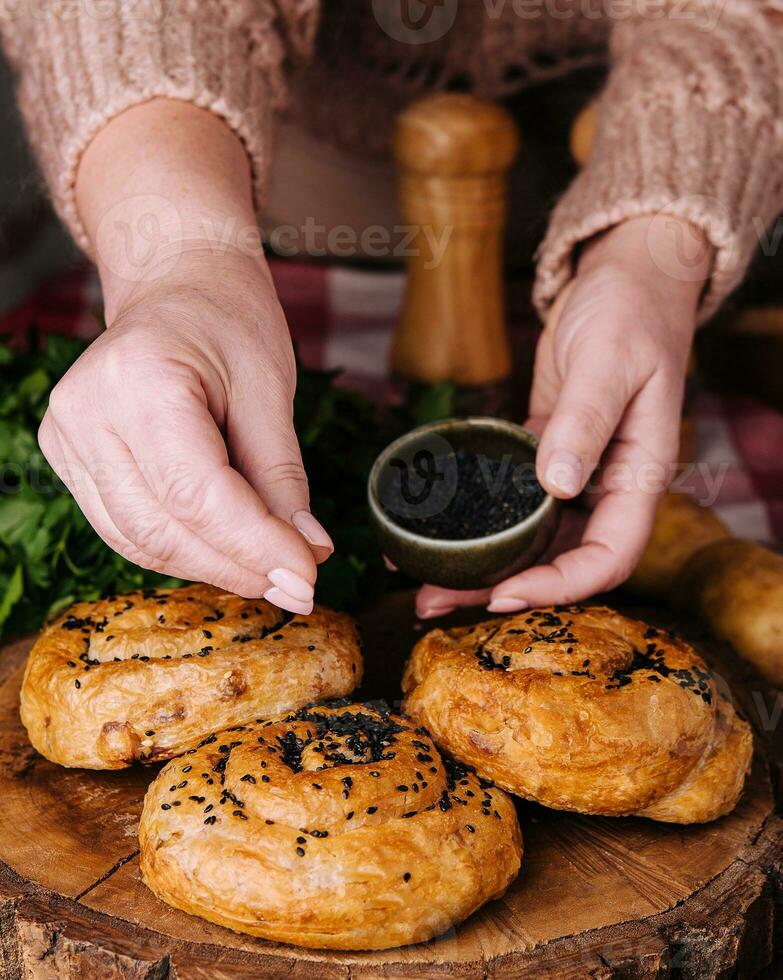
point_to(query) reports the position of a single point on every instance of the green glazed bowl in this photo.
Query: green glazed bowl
(472, 563)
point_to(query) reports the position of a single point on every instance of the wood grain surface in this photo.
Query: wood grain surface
(597, 897)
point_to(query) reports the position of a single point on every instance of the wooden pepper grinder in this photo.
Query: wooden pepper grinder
(453, 152)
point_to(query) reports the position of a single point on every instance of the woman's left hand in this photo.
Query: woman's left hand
(607, 399)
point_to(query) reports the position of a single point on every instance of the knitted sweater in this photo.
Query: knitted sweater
(690, 119)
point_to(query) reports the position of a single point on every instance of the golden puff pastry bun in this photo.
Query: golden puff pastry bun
(338, 826)
(580, 708)
(736, 588)
(143, 677)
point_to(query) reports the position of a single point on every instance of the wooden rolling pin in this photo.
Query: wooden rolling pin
(735, 587)
(453, 153)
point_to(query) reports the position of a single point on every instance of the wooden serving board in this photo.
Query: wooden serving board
(596, 897)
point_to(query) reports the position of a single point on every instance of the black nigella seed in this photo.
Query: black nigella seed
(165, 806)
(269, 822)
(402, 788)
(187, 768)
(470, 828)
(490, 496)
(406, 876)
(265, 779)
(300, 840)
(311, 647)
(410, 813)
(349, 815)
(77, 684)
(300, 851)
(372, 809)
(210, 820)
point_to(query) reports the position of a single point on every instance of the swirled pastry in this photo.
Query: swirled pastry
(583, 709)
(336, 826)
(143, 677)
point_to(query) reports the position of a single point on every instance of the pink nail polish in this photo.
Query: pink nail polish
(564, 472)
(288, 581)
(284, 601)
(311, 530)
(507, 604)
(435, 611)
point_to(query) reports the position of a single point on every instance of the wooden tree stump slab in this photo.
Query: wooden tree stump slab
(596, 897)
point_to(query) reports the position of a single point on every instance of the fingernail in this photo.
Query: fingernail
(311, 530)
(434, 611)
(504, 604)
(390, 565)
(284, 601)
(564, 471)
(288, 581)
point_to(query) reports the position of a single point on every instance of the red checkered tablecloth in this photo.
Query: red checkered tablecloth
(344, 317)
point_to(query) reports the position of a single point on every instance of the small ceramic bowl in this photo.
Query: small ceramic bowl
(405, 466)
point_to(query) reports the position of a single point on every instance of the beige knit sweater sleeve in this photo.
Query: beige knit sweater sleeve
(81, 62)
(690, 123)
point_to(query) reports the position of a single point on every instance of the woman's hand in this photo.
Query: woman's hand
(607, 397)
(174, 433)
(174, 430)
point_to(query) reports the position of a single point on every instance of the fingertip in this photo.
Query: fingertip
(282, 600)
(433, 612)
(507, 604)
(563, 474)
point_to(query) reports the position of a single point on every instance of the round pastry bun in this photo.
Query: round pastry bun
(581, 708)
(145, 676)
(338, 826)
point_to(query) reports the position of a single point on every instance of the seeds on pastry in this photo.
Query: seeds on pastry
(631, 715)
(151, 688)
(317, 870)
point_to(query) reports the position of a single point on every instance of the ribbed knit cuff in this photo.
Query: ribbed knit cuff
(690, 124)
(81, 63)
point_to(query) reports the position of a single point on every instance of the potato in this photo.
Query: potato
(681, 528)
(736, 587)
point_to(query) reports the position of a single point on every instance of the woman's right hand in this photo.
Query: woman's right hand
(174, 433)
(174, 430)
